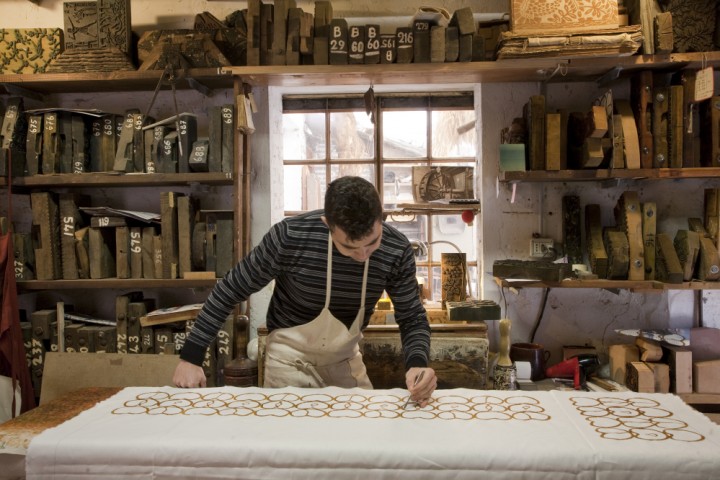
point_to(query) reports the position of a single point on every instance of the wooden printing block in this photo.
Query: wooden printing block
(41, 321)
(437, 44)
(694, 24)
(187, 135)
(680, 362)
(147, 340)
(253, 32)
(81, 25)
(543, 271)
(465, 47)
(225, 345)
(266, 33)
(163, 337)
(280, 33)
(168, 154)
(628, 215)
(136, 254)
(597, 122)
(86, 339)
(95, 144)
(534, 114)
(650, 350)
(122, 252)
(51, 144)
(72, 337)
(214, 140)
(661, 376)
(82, 251)
(473, 310)
(33, 144)
(649, 227)
(104, 339)
(136, 310)
(712, 212)
(404, 45)
(99, 221)
(121, 322)
(198, 161)
(24, 256)
(667, 263)
(663, 31)
(186, 222)
(572, 228)
(660, 127)
(138, 163)
(158, 256)
(372, 44)
(323, 13)
(709, 268)
(592, 153)
(198, 248)
(227, 155)
(463, 20)
(478, 48)
(618, 143)
(148, 252)
(691, 118)
(222, 224)
(356, 44)
(452, 44)
(687, 246)
(292, 49)
(124, 161)
(80, 144)
(169, 233)
(619, 357)
(388, 50)
(676, 133)
(618, 255)
(102, 249)
(240, 372)
(321, 45)
(148, 144)
(152, 162)
(66, 150)
(12, 138)
(710, 132)
(641, 95)
(338, 42)
(29, 50)
(178, 339)
(306, 38)
(594, 239)
(72, 221)
(706, 376)
(630, 133)
(114, 27)
(553, 141)
(421, 41)
(640, 378)
(46, 235)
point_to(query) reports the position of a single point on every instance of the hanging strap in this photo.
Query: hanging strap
(328, 283)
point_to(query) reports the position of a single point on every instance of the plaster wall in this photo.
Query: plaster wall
(508, 217)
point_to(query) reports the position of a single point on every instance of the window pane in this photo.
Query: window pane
(447, 141)
(364, 170)
(397, 183)
(404, 134)
(305, 187)
(304, 136)
(413, 226)
(449, 231)
(352, 136)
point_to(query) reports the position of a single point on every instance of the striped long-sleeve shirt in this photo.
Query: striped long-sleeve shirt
(294, 254)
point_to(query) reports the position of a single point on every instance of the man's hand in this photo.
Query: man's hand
(188, 375)
(421, 392)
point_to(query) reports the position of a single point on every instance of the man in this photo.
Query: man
(330, 268)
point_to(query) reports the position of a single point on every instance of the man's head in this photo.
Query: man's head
(353, 213)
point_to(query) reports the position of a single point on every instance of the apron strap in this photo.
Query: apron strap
(328, 283)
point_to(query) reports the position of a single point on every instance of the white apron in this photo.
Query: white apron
(320, 353)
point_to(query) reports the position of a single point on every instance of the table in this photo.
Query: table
(333, 433)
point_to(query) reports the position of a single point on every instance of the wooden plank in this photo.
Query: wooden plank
(169, 233)
(630, 134)
(706, 376)
(649, 227)
(186, 222)
(667, 264)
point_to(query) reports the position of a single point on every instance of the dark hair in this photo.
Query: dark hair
(353, 205)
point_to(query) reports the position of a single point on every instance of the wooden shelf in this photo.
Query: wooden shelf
(116, 179)
(606, 174)
(555, 69)
(649, 286)
(120, 81)
(116, 283)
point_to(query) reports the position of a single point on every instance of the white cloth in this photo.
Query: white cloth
(333, 433)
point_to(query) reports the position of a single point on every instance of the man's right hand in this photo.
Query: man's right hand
(188, 375)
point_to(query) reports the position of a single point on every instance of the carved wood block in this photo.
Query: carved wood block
(81, 25)
(136, 310)
(372, 44)
(138, 143)
(198, 161)
(642, 12)
(82, 251)
(616, 243)
(338, 42)
(72, 337)
(675, 126)
(114, 27)
(148, 252)
(693, 23)
(710, 132)
(168, 161)
(594, 239)
(266, 33)
(253, 32)
(641, 95)
(104, 339)
(543, 271)
(124, 159)
(136, 256)
(388, 50)
(29, 50)
(691, 119)
(572, 228)
(663, 31)
(71, 221)
(680, 361)
(323, 13)
(66, 151)
(630, 134)
(33, 144)
(280, 30)
(527, 16)
(86, 339)
(709, 268)
(80, 143)
(12, 138)
(712, 213)
(593, 152)
(24, 256)
(404, 45)
(618, 143)
(321, 45)
(667, 264)
(46, 235)
(292, 48)
(421, 41)
(628, 216)
(534, 113)
(169, 233)
(152, 162)
(437, 44)
(640, 378)
(215, 139)
(452, 44)
(102, 249)
(660, 127)
(465, 48)
(687, 246)
(356, 48)
(122, 252)
(227, 155)
(463, 20)
(186, 224)
(147, 340)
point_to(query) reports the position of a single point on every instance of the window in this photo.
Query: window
(327, 137)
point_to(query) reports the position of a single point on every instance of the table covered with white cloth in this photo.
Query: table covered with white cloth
(333, 433)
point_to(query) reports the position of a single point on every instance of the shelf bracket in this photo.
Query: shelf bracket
(13, 89)
(196, 85)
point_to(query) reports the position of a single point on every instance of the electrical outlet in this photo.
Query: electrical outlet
(541, 247)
